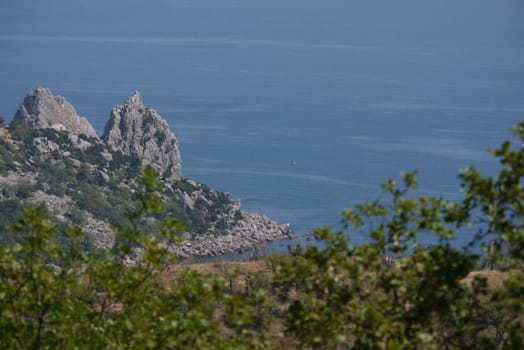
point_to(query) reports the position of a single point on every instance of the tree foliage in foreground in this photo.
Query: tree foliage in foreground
(357, 297)
(390, 293)
(58, 296)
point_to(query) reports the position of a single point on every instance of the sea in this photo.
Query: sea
(298, 108)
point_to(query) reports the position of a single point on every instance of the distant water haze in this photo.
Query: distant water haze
(298, 108)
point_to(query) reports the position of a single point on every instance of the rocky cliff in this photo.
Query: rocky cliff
(90, 182)
(43, 110)
(134, 129)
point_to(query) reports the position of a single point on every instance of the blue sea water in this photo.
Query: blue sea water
(298, 108)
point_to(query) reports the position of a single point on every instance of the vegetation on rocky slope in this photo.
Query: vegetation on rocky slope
(52, 155)
(92, 182)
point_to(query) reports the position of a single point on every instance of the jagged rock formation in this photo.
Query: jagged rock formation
(134, 129)
(90, 182)
(42, 110)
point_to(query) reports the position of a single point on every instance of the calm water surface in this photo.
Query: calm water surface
(298, 108)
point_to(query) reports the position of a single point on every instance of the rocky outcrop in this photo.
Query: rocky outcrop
(253, 231)
(41, 109)
(134, 129)
(90, 181)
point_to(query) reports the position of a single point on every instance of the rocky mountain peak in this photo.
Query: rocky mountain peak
(41, 109)
(135, 129)
(135, 100)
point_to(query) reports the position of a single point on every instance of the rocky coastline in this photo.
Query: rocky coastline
(254, 231)
(47, 137)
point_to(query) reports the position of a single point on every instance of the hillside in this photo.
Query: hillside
(51, 155)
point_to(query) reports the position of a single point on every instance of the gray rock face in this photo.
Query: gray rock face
(42, 110)
(134, 129)
(253, 231)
